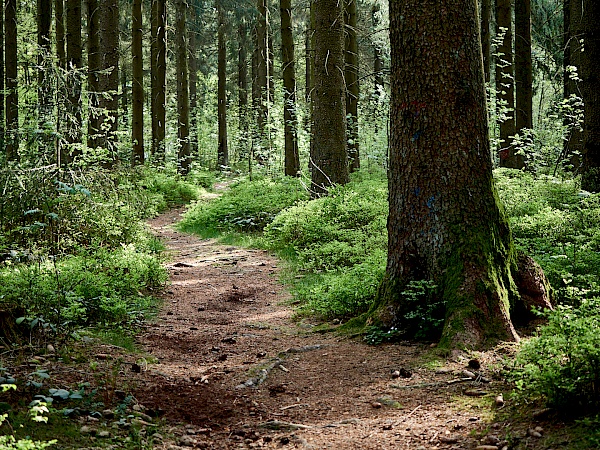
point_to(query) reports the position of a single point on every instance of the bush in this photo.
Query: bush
(562, 364)
(249, 206)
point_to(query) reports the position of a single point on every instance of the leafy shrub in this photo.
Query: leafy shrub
(249, 205)
(562, 364)
(172, 187)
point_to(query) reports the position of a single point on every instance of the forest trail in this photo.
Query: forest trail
(234, 370)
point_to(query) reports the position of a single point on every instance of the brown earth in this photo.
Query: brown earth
(235, 370)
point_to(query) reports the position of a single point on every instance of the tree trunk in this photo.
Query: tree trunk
(193, 65)
(590, 86)
(523, 66)
(74, 64)
(243, 88)
(486, 17)
(222, 151)
(262, 66)
(329, 157)
(94, 67)
(573, 147)
(2, 75)
(109, 81)
(137, 124)
(12, 94)
(352, 84)
(445, 225)
(377, 56)
(270, 58)
(59, 20)
(44, 19)
(292, 159)
(183, 100)
(59, 13)
(158, 69)
(505, 94)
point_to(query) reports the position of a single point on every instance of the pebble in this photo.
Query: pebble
(534, 433)
(376, 405)
(186, 441)
(87, 430)
(500, 400)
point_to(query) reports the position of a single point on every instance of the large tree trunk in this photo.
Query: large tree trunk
(590, 86)
(109, 81)
(183, 100)
(44, 19)
(352, 84)
(505, 88)
(74, 64)
(292, 160)
(193, 66)
(137, 124)
(2, 75)
(523, 66)
(94, 67)
(243, 88)
(445, 225)
(12, 94)
(329, 157)
(486, 18)
(158, 68)
(59, 20)
(222, 151)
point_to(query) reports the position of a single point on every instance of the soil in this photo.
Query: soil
(227, 365)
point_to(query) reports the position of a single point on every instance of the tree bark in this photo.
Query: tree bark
(573, 147)
(183, 100)
(523, 66)
(505, 93)
(94, 67)
(2, 96)
(243, 88)
(12, 94)
(377, 56)
(262, 67)
(59, 13)
(137, 124)
(193, 65)
(486, 17)
(44, 19)
(158, 69)
(292, 159)
(109, 80)
(445, 225)
(590, 86)
(352, 84)
(329, 157)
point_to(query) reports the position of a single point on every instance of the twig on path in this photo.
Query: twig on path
(296, 405)
(404, 419)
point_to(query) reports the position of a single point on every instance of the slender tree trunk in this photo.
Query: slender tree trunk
(183, 100)
(573, 90)
(292, 160)
(445, 226)
(44, 19)
(329, 157)
(158, 68)
(270, 58)
(486, 18)
(505, 86)
(94, 67)
(222, 151)
(59, 13)
(2, 75)
(590, 76)
(352, 84)
(523, 66)
(137, 124)
(262, 70)
(377, 55)
(74, 64)
(12, 95)
(193, 64)
(109, 81)
(243, 88)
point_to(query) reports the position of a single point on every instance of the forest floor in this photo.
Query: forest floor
(232, 368)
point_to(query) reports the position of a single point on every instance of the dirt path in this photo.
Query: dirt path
(233, 370)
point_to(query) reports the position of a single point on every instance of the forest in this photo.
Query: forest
(357, 224)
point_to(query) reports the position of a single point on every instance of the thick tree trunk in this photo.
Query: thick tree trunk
(158, 69)
(94, 67)
(222, 150)
(590, 85)
(12, 94)
(193, 66)
(486, 18)
(352, 84)
(2, 75)
(573, 147)
(137, 124)
(329, 157)
(523, 66)
(59, 20)
(183, 100)
(505, 87)
(109, 80)
(292, 160)
(445, 225)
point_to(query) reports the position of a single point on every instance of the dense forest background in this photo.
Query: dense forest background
(113, 111)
